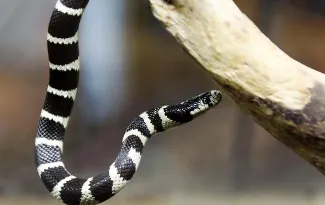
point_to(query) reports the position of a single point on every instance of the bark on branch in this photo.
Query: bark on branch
(282, 95)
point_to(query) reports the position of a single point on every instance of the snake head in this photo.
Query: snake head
(210, 99)
(201, 103)
(213, 98)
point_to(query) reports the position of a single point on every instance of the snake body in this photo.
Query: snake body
(62, 41)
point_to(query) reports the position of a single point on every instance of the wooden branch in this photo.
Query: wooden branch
(282, 95)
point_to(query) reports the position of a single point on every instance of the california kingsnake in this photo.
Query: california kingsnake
(62, 41)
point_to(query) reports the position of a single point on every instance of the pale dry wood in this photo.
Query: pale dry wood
(282, 95)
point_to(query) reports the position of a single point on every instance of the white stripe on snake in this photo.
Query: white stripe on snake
(62, 42)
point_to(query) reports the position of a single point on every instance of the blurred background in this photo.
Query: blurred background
(130, 64)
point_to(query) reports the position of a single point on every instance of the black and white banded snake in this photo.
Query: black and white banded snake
(62, 43)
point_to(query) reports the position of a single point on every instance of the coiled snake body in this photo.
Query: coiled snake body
(62, 41)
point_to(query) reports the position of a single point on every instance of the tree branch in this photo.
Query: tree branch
(282, 95)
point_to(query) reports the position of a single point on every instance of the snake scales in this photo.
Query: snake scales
(62, 42)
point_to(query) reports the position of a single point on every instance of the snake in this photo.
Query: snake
(64, 67)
